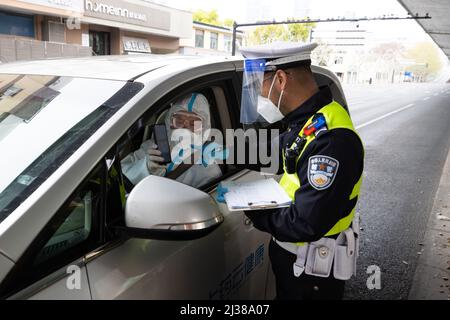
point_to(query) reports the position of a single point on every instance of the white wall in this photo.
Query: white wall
(190, 42)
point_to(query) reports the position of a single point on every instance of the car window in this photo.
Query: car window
(135, 156)
(75, 229)
(72, 225)
(29, 104)
(73, 232)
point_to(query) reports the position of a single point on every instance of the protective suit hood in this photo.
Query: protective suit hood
(183, 141)
(196, 103)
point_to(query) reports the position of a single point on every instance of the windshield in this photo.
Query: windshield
(41, 118)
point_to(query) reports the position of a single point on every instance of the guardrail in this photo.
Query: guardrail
(19, 49)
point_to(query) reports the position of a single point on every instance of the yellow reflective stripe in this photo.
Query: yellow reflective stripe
(336, 118)
(340, 226)
(290, 183)
(356, 188)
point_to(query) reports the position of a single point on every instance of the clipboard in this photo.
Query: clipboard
(255, 195)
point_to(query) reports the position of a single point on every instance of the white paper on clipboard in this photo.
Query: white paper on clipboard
(254, 195)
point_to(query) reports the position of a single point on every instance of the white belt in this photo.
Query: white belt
(289, 246)
(292, 248)
(316, 258)
(300, 251)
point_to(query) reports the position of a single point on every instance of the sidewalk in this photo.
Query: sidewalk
(432, 276)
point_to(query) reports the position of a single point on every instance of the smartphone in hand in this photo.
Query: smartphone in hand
(161, 139)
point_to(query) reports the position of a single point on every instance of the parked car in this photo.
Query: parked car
(69, 226)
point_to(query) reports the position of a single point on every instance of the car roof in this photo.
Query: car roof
(119, 67)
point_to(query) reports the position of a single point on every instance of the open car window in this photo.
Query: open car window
(191, 170)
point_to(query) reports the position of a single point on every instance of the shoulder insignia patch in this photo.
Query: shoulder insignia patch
(321, 171)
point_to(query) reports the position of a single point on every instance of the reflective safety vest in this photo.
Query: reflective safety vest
(336, 118)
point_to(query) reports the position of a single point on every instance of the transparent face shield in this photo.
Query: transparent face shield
(252, 88)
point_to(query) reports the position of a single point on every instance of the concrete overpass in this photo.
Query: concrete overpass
(438, 27)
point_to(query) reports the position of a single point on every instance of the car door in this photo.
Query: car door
(68, 283)
(229, 263)
(53, 267)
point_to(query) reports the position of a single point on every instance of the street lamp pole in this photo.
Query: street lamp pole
(233, 44)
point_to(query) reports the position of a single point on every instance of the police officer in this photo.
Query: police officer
(314, 240)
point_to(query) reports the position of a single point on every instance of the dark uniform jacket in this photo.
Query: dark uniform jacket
(315, 212)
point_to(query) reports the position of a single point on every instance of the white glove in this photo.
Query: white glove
(154, 161)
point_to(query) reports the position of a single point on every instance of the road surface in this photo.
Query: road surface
(406, 132)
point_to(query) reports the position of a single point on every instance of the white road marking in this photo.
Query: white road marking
(426, 98)
(436, 94)
(385, 116)
(357, 103)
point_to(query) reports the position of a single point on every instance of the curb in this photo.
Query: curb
(432, 277)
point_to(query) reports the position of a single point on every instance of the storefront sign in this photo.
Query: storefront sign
(70, 5)
(123, 11)
(136, 45)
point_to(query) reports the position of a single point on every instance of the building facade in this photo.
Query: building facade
(346, 42)
(36, 29)
(353, 52)
(209, 40)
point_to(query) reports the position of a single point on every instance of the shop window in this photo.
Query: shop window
(16, 24)
(214, 40)
(227, 43)
(100, 42)
(339, 60)
(199, 38)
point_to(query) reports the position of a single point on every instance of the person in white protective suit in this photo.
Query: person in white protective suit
(188, 124)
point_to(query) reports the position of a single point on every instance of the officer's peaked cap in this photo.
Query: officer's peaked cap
(281, 54)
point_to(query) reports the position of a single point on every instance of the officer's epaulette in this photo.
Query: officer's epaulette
(318, 125)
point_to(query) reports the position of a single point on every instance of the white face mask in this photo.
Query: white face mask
(267, 109)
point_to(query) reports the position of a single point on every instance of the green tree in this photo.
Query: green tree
(321, 56)
(299, 31)
(279, 32)
(210, 17)
(266, 34)
(228, 23)
(427, 60)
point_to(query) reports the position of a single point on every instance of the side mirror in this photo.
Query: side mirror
(161, 208)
